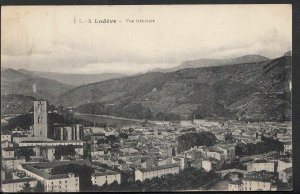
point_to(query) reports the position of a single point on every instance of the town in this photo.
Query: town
(190, 154)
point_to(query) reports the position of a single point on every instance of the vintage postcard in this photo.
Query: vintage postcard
(146, 98)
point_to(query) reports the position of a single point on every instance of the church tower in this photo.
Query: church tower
(40, 127)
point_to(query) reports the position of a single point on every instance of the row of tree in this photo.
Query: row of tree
(189, 140)
(68, 150)
(266, 145)
(193, 179)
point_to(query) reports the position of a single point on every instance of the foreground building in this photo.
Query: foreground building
(253, 182)
(53, 182)
(16, 185)
(105, 176)
(157, 171)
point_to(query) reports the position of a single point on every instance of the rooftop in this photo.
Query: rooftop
(18, 180)
(158, 167)
(36, 168)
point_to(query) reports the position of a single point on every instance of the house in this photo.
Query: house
(16, 185)
(235, 186)
(228, 152)
(5, 137)
(6, 144)
(157, 171)
(105, 176)
(284, 164)
(261, 165)
(180, 160)
(258, 181)
(165, 151)
(12, 163)
(164, 161)
(288, 147)
(285, 174)
(48, 152)
(8, 152)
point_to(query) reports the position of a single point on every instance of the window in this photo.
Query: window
(66, 181)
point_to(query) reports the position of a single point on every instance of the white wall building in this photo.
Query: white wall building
(108, 176)
(261, 165)
(148, 173)
(16, 185)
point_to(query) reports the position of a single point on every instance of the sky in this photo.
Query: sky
(50, 38)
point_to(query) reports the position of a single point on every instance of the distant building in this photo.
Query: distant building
(158, 171)
(40, 119)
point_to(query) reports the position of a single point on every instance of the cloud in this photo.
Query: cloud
(46, 38)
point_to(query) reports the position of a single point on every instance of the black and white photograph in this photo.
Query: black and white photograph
(146, 98)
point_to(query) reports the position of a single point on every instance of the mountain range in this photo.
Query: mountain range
(15, 82)
(255, 90)
(73, 79)
(215, 62)
(248, 87)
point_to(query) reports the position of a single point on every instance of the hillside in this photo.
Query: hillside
(16, 104)
(15, 82)
(215, 62)
(74, 79)
(216, 91)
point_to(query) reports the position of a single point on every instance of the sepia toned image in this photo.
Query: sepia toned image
(146, 98)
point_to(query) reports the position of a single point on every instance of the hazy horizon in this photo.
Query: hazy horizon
(46, 39)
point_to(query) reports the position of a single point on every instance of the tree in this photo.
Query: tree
(26, 187)
(188, 140)
(25, 152)
(39, 187)
(228, 137)
(68, 150)
(123, 135)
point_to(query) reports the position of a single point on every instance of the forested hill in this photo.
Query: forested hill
(258, 91)
(15, 82)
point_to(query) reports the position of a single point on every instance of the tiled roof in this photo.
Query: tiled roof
(10, 148)
(18, 180)
(106, 172)
(35, 168)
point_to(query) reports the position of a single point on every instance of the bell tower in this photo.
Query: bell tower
(40, 127)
